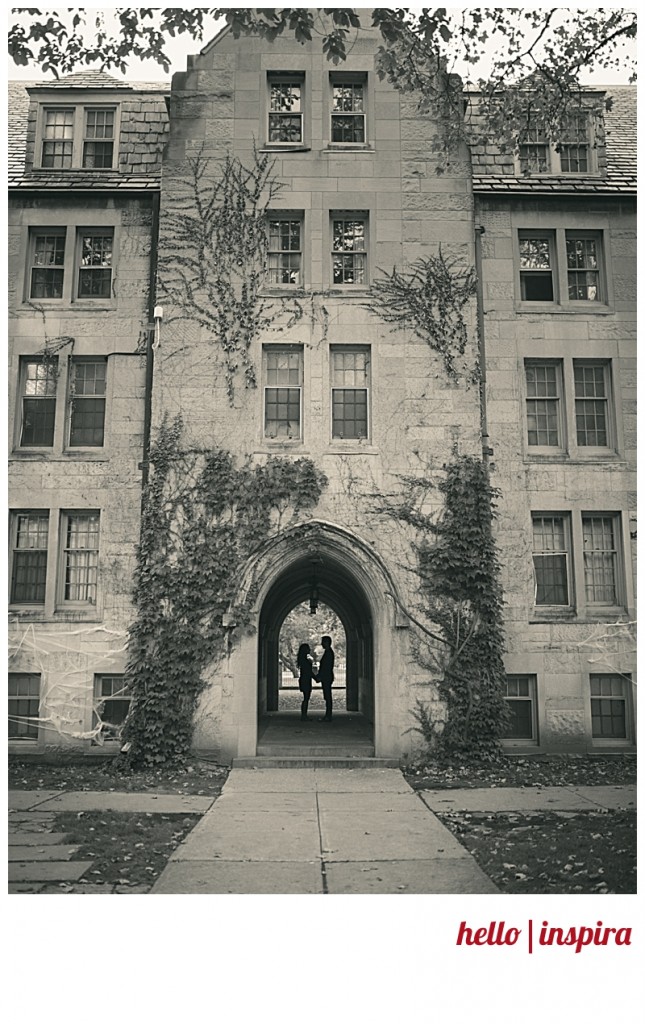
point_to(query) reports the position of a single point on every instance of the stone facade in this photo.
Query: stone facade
(64, 633)
(476, 213)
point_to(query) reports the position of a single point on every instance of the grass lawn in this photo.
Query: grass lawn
(553, 770)
(552, 852)
(127, 850)
(198, 778)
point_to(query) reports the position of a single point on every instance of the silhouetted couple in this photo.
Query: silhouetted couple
(324, 675)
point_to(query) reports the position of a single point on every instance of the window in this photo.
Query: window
(562, 266)
(349, 245)
(285, 251)
(95, 272)
(583, 267)
(520, 698)
(87, 402)
(536, 267)
(24, 705)
(29, 565)
(113, 703)
(551, 559)
(544, 404)
(592, 390)
(600, 559)
(47, 264)
(350, 369)
(574, 146)
(609, 706)
(285, 110)
(58, 137)
(81, 136)
(98, 145)
(534, 152)
(573, 154)
(283, 391)
(80, 535)
(348, 110)
(38, 380)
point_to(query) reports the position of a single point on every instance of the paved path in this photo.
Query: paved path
(547, 798)
(313, 830)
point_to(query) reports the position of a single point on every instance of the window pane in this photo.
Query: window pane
(550, 561)
(39, 381)
(58, 136)
(47, 267)
(95, 275)
(81, 557)
(591, 404)
(87, 417)
(349, 412)
(583, 269)
(285, 117)
(348, 112)
(542, 404)
(29, 571)
(600, 559)
(282, 412)
(284, 252)
(24, 705)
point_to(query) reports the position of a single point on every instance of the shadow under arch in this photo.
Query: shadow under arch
(352, 579)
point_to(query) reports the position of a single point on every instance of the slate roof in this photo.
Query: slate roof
(620, 153)
(144, 125)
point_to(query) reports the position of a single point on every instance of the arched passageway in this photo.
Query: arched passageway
(326, 578)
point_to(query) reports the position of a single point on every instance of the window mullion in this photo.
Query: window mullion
(577, 574)
(560, 269)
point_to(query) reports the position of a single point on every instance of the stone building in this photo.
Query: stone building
(368, 401)
(84, 175)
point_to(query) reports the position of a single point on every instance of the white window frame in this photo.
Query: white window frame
(16, 514)
(81, 235)
(557, 237)
(361, 216)
(351, 78)
(74, 234)
(276, 350)
(569, 446)
(559, 398)
(280, 216)
(626, 697)
(531, 679)
(111, 734)
(554, 151)
(34, 234)
(52, 373)
(544, 607)
(90, 602)
(367, 388)
(79, 139)
(286, 78)
(73, 399)
(617, 558)
(29, 697)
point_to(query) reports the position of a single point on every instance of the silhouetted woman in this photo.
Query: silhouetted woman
(305, 667)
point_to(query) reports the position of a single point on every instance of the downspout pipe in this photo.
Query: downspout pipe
(144, 465)
(487, 451)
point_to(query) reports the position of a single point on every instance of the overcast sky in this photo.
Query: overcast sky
(180, 48)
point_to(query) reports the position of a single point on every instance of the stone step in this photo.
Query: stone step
(310, 761)
(315, 750)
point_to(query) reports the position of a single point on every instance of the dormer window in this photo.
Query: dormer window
(98, 145)
(78, 137)
(573, 154)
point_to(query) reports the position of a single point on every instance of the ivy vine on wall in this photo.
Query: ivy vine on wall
(203, 516)
(431, 300)
(459, 629)
(213, 259)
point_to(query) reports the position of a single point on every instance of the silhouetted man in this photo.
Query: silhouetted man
(325, 674)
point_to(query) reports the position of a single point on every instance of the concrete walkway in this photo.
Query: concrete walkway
(320, 830)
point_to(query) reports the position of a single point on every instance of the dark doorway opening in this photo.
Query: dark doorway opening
(328, 586)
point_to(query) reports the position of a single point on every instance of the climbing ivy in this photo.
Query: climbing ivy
(203, 516)
(431, 301)
(458, 628)
(213, 259)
